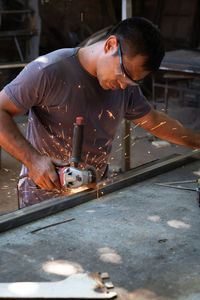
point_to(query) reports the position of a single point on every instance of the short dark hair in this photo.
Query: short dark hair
(138, 35)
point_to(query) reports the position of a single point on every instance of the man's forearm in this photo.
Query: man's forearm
(177, 135)
(12, 140)
(166, 128)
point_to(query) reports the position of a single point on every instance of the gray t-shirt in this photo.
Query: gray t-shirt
(54, 89)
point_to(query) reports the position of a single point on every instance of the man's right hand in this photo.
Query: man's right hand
(43, 172)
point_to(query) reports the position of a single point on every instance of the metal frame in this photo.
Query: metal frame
(168, 86)
(55, 205)
(126, 163)
(177, 65)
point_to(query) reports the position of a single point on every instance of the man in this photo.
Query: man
(99, 83)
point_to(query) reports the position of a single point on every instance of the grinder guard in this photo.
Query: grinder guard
(71, 177)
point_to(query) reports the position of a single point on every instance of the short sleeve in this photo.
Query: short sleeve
(28, 88)
(138, 106)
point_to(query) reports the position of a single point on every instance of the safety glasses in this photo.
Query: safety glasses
(123, 76)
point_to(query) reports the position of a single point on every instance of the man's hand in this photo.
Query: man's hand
(166, 128)
(43, 172)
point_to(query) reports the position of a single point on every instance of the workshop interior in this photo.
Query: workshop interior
(134, 235)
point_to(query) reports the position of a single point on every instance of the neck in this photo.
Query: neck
(88, 57)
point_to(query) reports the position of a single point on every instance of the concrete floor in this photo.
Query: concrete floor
(145, 236)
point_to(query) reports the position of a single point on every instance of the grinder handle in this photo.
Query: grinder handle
(77, 142)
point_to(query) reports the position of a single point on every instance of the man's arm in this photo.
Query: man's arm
(166, 128)
(41, 168)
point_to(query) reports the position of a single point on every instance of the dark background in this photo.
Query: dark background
(66, 23)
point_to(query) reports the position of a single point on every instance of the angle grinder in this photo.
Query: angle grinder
(74, 177)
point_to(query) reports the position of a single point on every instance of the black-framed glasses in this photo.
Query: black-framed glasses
(129, 80)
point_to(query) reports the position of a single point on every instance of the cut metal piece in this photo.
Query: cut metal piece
(171, 184)
(77, 286)
(177, 182)
(180, 187)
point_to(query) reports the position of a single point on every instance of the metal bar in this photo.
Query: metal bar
(20, 11)
(166, 95)
(12, 65)
(177, 182)
(190, 69)
(126, 13)
(52, 206)
(127, 140)
(173, 87)
(154, 92)
(126, 9)
(180, 187)
(52, 225)
(19, 49)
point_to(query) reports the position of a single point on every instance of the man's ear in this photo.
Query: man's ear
(110, 44)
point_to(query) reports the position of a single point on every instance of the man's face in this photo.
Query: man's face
(115, 71)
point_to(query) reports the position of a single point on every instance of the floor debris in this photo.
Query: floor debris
(160, 144)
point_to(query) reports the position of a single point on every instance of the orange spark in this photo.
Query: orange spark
(110, 114)
(126, 136)
(100, 115)
(137, 125)
(161, 124)
(107, 143)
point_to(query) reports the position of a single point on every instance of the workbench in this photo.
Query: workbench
(145, 236)
(182, 64)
